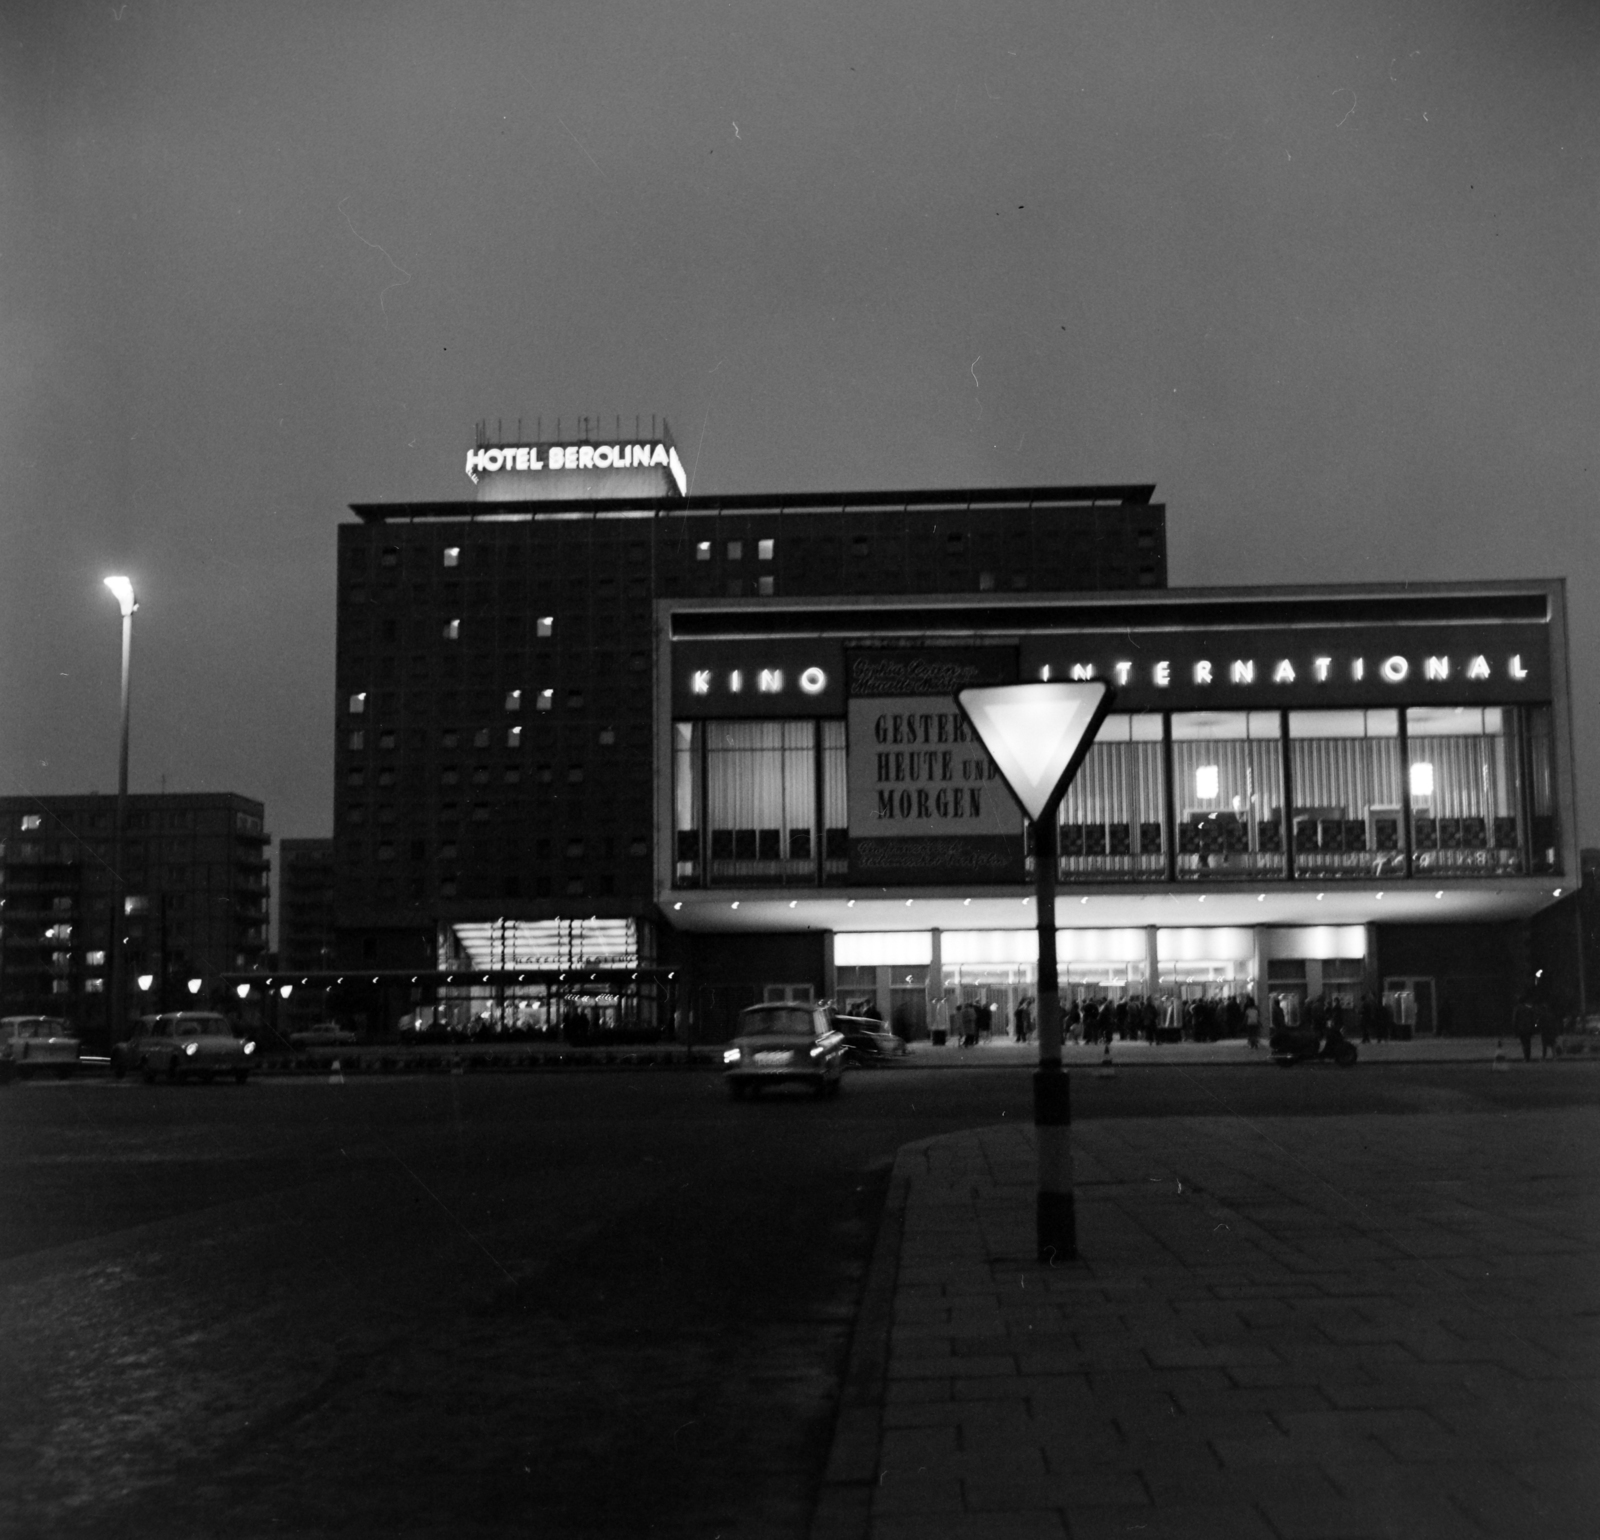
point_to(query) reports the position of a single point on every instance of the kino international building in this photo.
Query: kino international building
(614, 756)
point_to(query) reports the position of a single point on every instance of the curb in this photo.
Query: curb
(843, 1508)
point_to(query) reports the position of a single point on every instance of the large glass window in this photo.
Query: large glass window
(835, 804)
(1227, 769)
(1111, 814)
(1461, 770)
(1345, 779)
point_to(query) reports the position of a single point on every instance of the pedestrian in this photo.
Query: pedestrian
(1369, 1016)
(1073, 1025)
(1091, 1023)
(1549, 1028)
(1524, 1022)
(969, 1025)
(1252, 1022)
(1020, 1020)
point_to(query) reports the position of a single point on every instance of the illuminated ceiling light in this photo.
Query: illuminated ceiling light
(1261, 898)
(678, 905)
(910, 902)
(734, 904)
(1206, 780)
(194, 986)
(285, 990)
(1084, 899)
(1320, 897)
(1558, 892)
(965, 902)
(1422, 779)
(794, 901)
(1440, 893)
(1202, 898)
(145, 980)
(850, 903)
(1380, 895)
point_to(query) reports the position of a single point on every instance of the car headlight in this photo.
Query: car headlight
(191, 1049)
(249, 1047)
(819, 1050)
(730, 1055)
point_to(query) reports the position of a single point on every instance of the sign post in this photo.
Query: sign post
(1038, 736)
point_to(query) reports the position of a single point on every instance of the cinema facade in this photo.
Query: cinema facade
(628, 757)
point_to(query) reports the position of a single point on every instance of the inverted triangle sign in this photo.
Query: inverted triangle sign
(1037, 734)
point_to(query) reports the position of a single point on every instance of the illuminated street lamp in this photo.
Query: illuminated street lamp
(122, 590)
(1038, 735)
(194, 986)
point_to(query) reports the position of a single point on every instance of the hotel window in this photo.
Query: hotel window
(358, 740)
(545, 625)
(736, 550)
(452, 630)
(608, 736)
(390, 556)
(31, 821)
(547, 700)
(1111, 815)
(765, 587)
(452, 556)
(386, 738)
(1227, 771)
(1344, 776)
(480, 739)
(513, 700)
(513, 737)
(702, 550)
(386, 776)
(765, 549)
(1462, 781)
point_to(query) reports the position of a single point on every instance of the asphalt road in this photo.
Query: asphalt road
(583, 1304)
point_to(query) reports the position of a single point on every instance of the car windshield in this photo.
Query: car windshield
(777, 1021)
(204, 1026)
(42, 1026)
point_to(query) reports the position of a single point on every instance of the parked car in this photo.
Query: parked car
(784, 1045)
(178, 1044)
(867, 1040)
(29, 1043)
(326, 1034)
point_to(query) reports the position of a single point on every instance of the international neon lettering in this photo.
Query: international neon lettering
(1435, 668)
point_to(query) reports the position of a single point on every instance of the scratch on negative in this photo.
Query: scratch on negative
(973, 366)
(577, 141)
(405, 277)
(1346, 118)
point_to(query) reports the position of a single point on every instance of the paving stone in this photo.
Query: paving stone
(1092, 1485)
(1047, 1525)
(1237, 1521)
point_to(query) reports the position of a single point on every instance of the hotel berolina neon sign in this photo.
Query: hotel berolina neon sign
(576, 457)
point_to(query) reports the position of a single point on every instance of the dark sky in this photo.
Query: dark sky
(1325, 273)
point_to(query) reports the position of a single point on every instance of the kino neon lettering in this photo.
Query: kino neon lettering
(769, 681)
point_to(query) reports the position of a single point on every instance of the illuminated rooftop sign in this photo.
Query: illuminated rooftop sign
(586, 458)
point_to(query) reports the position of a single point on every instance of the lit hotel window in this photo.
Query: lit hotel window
(452, 556)
(358, 703)
(545, 625)
(702, 551)
(31, 821)
(94, 959)
(513, 700)
(547, 699)
(764, 587)
(764, 549)
(452, 630)
(736, 550)
(514, 738)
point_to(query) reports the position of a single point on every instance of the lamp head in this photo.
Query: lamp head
(122, 588)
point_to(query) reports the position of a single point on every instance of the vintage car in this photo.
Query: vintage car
(790, 1044)
(325, 1034)
(180, 1044)
(30, 1044)
(867, 1040)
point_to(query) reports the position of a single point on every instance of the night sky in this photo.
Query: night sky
(1325, 274)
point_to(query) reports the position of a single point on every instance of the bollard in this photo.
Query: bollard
(337, 1077)
(1057, 1218)
(1107, 1070)
(1500, 1054)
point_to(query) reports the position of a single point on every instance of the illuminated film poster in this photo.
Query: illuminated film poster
(926, 803)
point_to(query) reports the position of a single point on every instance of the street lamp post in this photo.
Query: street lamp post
(122, 589)
(1038, 735)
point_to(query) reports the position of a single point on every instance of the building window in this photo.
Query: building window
(513, 737)
(608, 736)
(512, 775)
(1111, 816)
(390, 556)
(452, 556)
(764, 587)
(480, 775)
(574, 850)
(702, 550)
(90, 986)
(355, 812)
(480, 812)
(31, 821)
(386, 776)
(985, 582)
(736, 550)
(1463, 782)
(545, 774)
(574, 700)
(547, 700)
(480, 739)
(386, 850)
(358, 740)
(574, 774)
(1228, 789)
(545, 625)
(386, 738)
(1344, 768)
(765, 549)
(452, 630)
(513, 700)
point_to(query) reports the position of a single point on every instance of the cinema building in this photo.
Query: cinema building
(610, 752)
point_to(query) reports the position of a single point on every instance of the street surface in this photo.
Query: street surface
(577, 1303)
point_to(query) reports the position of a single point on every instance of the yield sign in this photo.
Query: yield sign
(1037, 734)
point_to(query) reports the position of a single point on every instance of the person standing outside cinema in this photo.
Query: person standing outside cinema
(1524, 1022)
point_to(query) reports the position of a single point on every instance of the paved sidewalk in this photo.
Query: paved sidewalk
(1283, 1329)
(1002, 1052)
